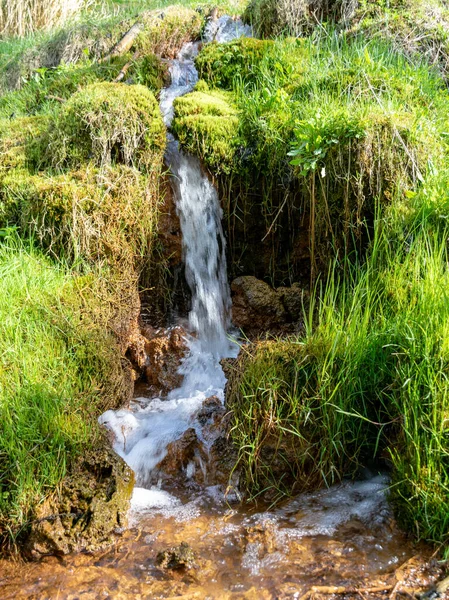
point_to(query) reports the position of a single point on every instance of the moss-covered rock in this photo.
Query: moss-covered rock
(90, 506)
(108, 123)
(219, 64)
(107, 217)
(295, 17)
(45, 92)
(207, 124)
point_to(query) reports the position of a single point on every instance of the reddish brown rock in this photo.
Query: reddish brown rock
(180, 453)
(169, 229)
(164, 354)
(136, 347)
(211, 411)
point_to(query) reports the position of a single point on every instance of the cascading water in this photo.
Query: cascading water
(143, 433)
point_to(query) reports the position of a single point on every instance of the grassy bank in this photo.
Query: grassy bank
(366, 382)
(59, 368)
(362, 119)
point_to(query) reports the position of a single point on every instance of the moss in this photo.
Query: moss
(220, 64)
(108, 217)
(107, 123)
(206, 124)
(48, 88)
(272, 18)
(92, 503)
(150, 71)
(165, 32)
(16, 136)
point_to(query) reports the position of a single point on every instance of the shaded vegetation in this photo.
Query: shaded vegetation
(366, 380)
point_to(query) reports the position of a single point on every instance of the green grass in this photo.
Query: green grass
(367, 380)
(58, 371)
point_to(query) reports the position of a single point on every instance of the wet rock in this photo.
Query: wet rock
(222, 459)
(188, 449)
(263, 533)
(90, 509)
(136, 347)
(178, 558)
(164, 356)
(211, 411)
(169, 229)
(256, 306)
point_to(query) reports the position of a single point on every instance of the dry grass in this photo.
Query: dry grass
(22, 17)
(296, 17)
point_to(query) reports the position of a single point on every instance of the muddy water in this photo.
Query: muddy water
(336, 543)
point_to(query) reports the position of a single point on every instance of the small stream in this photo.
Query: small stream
(343, 540)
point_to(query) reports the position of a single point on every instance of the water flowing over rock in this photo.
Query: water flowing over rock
(147, 434)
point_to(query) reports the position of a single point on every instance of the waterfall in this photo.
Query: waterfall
(143, 432)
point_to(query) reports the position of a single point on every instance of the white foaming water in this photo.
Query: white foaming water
(143, 432)
(226, 29)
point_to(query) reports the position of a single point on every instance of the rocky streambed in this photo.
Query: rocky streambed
(336, 543)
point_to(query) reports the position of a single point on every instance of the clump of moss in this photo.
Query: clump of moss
(108, 123)
(48, 88)
(165, 32)
(150, 71)
(104, 217)
(221, 64)
(206, 124)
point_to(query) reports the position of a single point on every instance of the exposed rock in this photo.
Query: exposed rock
(263, 533)
(90, 508)
(256, 306)
(136, 347)
(164, 356)
(223, 457)
(211, 411)
(169, 229)
(180, 453)
(295, 299)
(178, 558)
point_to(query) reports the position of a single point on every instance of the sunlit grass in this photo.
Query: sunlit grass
(54, 366)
